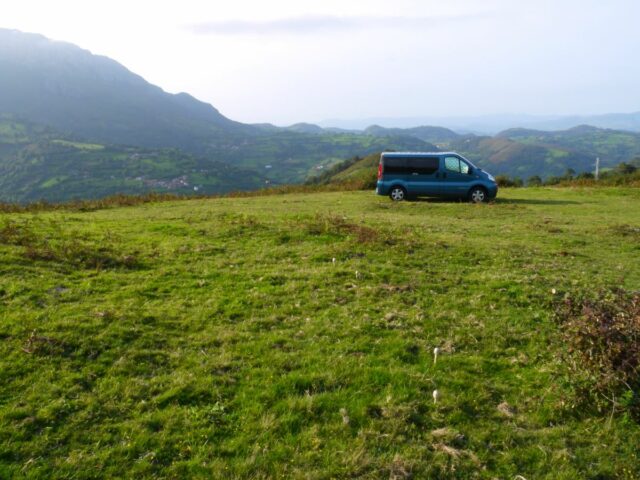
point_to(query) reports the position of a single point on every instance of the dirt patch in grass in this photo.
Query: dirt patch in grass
(627, 230)
(44, 346)
(341, 226)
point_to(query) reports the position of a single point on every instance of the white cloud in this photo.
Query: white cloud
(310, 24)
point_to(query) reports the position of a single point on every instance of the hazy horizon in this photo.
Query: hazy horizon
(286, 62)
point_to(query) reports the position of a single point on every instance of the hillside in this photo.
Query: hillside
(612, 146)
(292, 337)
(93, 99)
(291, 157)
(424, 133)
(503, 156)
(73, 91)
(524, 153)
(357, 172)
(37, 163)
(499, 156)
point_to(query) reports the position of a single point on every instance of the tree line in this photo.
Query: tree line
(623, 173)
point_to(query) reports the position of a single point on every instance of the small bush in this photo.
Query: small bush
(602, 336)
(534, 181)
(505, 181)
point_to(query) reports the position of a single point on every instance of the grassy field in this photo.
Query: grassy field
(292, 336)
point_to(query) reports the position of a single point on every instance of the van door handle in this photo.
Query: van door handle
(414, 173)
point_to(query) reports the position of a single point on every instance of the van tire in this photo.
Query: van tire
(398, 193)
(478, 195)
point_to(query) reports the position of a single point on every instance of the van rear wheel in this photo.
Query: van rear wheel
(478, 195)
(397, 194)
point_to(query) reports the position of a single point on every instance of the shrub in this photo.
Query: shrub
(602, 336)
(625, 168)
(505, 181)
(586, 176)
(534, 181)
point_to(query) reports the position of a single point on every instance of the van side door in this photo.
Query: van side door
(423, 175)
(456, 176)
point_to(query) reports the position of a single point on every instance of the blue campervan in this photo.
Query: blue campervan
(404, 175)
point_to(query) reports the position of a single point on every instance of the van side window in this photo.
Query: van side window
(423, 165)
(452, 164)
(395, 165)
(409, 165)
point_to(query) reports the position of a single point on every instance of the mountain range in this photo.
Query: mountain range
(492, 124)
(78, 125)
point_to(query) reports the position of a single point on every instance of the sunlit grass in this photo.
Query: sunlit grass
(293, 336)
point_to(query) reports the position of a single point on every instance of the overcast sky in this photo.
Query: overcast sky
(286, 61)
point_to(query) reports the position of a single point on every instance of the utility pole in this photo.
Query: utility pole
(597, 168)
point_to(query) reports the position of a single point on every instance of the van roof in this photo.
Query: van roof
(415, 154)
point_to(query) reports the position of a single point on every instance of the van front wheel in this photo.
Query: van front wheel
(478, 195)
(397, 194)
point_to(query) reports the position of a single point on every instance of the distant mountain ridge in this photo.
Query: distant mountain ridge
(72, 90)
(492, 124)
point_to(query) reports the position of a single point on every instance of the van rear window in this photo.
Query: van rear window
(409, 165)
(395, 165)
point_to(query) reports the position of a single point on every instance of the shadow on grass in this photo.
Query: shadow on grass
(534, 201)
(500, 201)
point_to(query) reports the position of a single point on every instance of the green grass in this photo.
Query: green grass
(219, 339)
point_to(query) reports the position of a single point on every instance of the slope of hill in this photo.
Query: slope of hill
(612, 146)
(37, 163)
(524, 153)
(292, 337)
(94, 99)
(71, 90)
(357, 172)
(290, 157)
(503, 156)
(499, 156)
(426, 133)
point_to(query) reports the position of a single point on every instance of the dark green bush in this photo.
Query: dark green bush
(534, 181)
(505, 181)
(602, 338)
